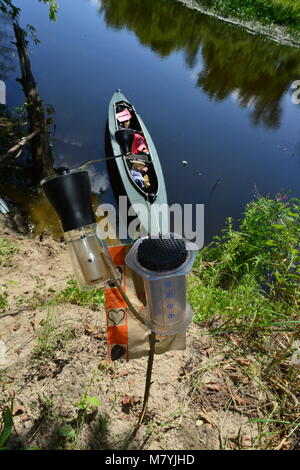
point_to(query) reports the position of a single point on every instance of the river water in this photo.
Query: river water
(209, 92)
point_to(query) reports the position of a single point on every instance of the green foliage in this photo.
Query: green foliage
(88, 403)
(67, 432)
(7, 249)
(11, 127)
(229, 58)
(53, 8)
(31, 32)
(3, 298)
(85, 407)
(252, 274)
(7, 6)
(46, 342)
(92, 298)
(6, 428)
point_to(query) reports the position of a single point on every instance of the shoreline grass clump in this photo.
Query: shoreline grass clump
(91, 297)
(245, 289)
(7, 249)
(251, 274)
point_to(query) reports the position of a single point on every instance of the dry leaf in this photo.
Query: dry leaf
(213, 387)
(88, 329)
(239, 400)
(235, 340)
(126, 400)
(130, 400)
(246, 440)
(229, 367)
(100, 337)
(209, 350)
(236, 377)
(219, 373)
(122, 373)
(245, 380)
(207, 418)
(244, 362)
(77, 332)
(16, 327)
(136, 400)
(18, 410)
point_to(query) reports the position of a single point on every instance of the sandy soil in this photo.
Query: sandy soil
(200, 398)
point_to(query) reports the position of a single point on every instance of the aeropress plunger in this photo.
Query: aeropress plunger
(69, 192)
(163, 263)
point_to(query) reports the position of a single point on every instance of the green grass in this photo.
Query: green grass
(3, 298)
(7, 250)
(250, 276)
(92, 298)
(245, 288)
(46, 344)
(279, 12)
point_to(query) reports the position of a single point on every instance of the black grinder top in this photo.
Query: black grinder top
(70, 195)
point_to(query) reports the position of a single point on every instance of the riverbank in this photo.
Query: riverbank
(62, 392)
(234, 387)
(260, 18)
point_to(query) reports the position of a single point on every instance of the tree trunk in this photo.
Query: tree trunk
(42, 157)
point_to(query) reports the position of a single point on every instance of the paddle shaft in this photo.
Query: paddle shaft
(131, 156)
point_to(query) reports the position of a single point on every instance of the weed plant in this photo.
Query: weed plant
(92, 298)
(7, 249)
(251, 274)
(246, 288)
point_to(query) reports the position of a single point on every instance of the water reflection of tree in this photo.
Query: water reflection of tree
(255, 70)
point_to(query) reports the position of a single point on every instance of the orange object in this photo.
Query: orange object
(117, 310)
(128, 338)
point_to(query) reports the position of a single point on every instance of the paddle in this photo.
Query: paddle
(131, 156)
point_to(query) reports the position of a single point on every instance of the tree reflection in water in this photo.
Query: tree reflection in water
(253, 69)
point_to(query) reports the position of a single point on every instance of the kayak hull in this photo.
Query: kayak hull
(153, 216)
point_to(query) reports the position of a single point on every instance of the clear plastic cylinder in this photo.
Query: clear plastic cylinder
(168, 311)
(87, 256)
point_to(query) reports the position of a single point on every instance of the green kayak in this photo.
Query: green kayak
(146, 190)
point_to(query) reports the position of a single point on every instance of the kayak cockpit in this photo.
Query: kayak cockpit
(133, 143)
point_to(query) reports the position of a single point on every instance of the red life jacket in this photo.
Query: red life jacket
(139, 144)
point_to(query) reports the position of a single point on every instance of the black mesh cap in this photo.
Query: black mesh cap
(160, 254)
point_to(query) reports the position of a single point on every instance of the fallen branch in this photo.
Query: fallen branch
(18, 146)
(288, 392)
(13, 313)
